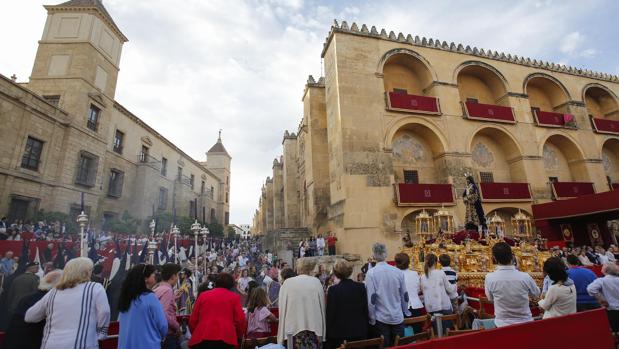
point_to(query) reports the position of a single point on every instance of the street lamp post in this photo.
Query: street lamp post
(82, 220)
(152, 244)
(195, 229)
(175, 232)
(204, 231)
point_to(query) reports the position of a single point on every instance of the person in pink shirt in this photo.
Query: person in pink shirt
(165, 294)
(259, 316)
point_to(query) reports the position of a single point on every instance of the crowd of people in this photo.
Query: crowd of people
(243, 291)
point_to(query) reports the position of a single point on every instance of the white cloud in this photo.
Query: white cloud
(195, 66)
(572, 45)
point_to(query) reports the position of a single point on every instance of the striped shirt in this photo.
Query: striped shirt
(452, 276)
(76, 317)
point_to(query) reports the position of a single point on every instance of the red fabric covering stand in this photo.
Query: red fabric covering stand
(505, 191)
(605, 125)
(589, 204)
(424, 193)
(406, 102)
(588, 329)
(489, 112)
(567, 190)
(549, 119)
(2, 334)
(558, 243)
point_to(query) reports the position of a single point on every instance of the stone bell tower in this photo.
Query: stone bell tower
(78, 58)
(218, 161)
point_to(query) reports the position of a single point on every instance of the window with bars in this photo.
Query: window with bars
(202, 187)
(163, 198)
(53, 100)
(472, 100)
(486, 177)
(553, 179)
(32, 155)
(411, 177)
(86, 169)
(212, 192)
(192, 180)
(400, 91)
(93, 117)
(164, 166)
(144, 154)
(115, 187)
(118, 142)
(179, 174)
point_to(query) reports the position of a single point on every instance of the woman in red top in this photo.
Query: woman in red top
(217, 320)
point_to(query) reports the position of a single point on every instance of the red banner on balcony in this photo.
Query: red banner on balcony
(565, 190)
(552, 119)
(505, 192)
(424, 194)
(489, 112)
(614, 186)
(605, 125)
(413, 103)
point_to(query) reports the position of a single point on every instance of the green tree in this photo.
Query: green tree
(231, 232)
(127, 224)
(216, 230)
(50, 217)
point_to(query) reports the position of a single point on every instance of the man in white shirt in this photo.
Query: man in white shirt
(320, 245)
(509, 289)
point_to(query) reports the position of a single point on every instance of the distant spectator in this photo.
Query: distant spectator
(322, 274)
(331, 241)
(584, 260)
(97, 274)
(582, 277)
(320, 245)
(438, 292)
(7, 263)
(606, 291)
(560, 299)
(287, 273)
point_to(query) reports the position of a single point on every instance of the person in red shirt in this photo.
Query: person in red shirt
(331, 240)
(217, 320)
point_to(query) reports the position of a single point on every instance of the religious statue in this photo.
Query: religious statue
(474, 216)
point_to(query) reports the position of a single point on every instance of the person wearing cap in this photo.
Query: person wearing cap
(24, 335)
(24, 284)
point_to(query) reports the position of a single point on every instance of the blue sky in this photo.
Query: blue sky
(192, 67)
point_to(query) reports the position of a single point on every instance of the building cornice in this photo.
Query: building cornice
(141, 123)
(459, 48)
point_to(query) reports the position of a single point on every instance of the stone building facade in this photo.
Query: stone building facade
(398, 121)
(64, 134)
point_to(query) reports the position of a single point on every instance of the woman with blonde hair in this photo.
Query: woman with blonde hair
(76, 311)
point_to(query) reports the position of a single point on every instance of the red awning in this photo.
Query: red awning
(581, 206)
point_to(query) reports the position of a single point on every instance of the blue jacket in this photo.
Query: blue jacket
(582, 277)
(144, 326)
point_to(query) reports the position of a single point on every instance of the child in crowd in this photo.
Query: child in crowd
(452, 276)
(258, 315)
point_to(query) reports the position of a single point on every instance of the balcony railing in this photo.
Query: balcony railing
(567, 190)
(605, 125)
(552, 119)
(505, 192)
(147, 160)
(489, 112)
(413, 103)
(424, 194)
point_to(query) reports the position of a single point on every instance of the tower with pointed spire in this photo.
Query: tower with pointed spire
(218, 162)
